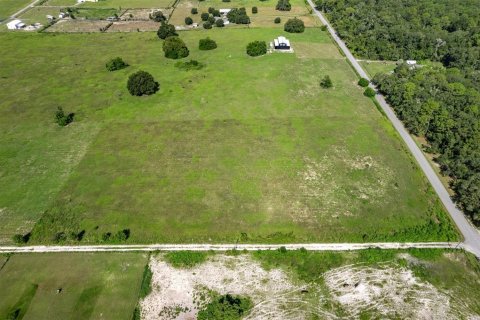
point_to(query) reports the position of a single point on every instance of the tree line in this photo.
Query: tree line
(439, 102)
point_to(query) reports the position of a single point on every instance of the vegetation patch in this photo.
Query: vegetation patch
(226, 307)
(189, 65)
(186, 259)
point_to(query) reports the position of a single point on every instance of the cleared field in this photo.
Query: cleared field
(78, 26)
(93, 286)
(124, 4)
(374, 67)
(265, 156)
(38, 14)
(9, 7)
(59, 3)
(371, 284)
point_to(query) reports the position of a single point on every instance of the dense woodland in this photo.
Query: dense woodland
(440, 102)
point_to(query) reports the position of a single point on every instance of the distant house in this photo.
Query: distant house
(62, 15)
(224, 11)
(15, 25)
(82, 1)
(411, 62)
(50, 17)
(281, 43)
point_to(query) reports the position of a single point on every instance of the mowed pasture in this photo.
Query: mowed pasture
(9, 7)
(92, 285)
(245, 149)
(124, 4)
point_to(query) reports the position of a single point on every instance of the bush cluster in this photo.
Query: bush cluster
(63, 119)
(142, 83)
(254, 10)
(326, 82)
(194, 11)
(207, 44)
(204, 16)
(283, 5)
(175, 48)
(256, 48)
(121, 235)
(157, 16)
(277, 20)
(207, 25)
(166, 30)
(238, 15)
(188, 21)
(116, 64)
(189, 65)
(363, 82)
(226, 307)
(294, 26)
(369, 92)
(219, 23)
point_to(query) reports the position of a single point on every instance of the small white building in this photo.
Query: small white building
(224, 12)
(82, 1)
(49, 17)
(411, 62)
(281, 43)
(15, 25)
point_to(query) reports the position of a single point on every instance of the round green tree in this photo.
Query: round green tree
(207, 25)
(188, 21)
(294, 26)
(194, 11)
(166, 30)
(326, 82)
(204, 16)
(369, 92)
(207, 44)
(219, 23)
(142, 83)
(277, 20)
(116, 64)
(254, 10)
(363, 82)
(175, 48)
(256, 48)
(158, 16)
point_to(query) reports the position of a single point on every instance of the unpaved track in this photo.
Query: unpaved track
(226, 247)
(470, 234)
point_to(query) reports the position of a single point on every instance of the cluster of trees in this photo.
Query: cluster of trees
(121, 235)
(283, 5)
(158, 16)
(294, 26)
(257, 48)
(63, 119)
(226, 307)
(440, 103)
(142, 83)
(239, 16)
(443, 106)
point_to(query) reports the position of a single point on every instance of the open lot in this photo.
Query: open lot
(9, 7)
(265, 156)
(39, 14)
(93, 286)
(129, 4)
(374, 67)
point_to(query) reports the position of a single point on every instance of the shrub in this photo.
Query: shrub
(254, 10)
(185, 259)
(323, 28)
(257, 48)
(211, 19)
(122, 235)
(211, 10)
(207, 25)
(63, 119)
(277, 20)
(21, 238)
(238, 16)
(363, 82)
(166, 30)
(369, 92)
(188, 21)
(157, 16)
(226, 307)
(106, 236)
(142, 83)
(294, 26)
(59, 237)
(226, 0)
(283, 5)
(175, 48)
(189, 65)
(219, 23)
(216, 13)
(116, 64)
(204, 16)
(326, 82)
(194, 11)
(207, 44)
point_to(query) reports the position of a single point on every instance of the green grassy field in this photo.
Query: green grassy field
(248, 149)
(124, 4)
(94, 286)
(9, 7)
(374, 67)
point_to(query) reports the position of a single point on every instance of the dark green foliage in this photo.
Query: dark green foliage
(294, 26)
(207, 25)
(219, 23)
(20, 308)
(277, 20)
(216, 13)
(238, 15)
(106, 236)
(204, 16)
(226, 307)
(211, 10)
(211, 19)
(326, 82)
(188, 21)
(185, 259)
(116, 64)
(323, 28)
(175, 48)
(146, 286)
(136, 313)
(369, 92)
(194, 11)
(63, 119)
(122, 235)
(254, 10)
(166, 30)
(189, 65)
(207, 44)
(142, 83)
(363, 82)
(157, 16)
(283, 5)
(256, 48)
(226, 0)
(21, 238)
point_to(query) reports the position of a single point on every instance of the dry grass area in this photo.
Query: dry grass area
(305, 50)
(78, 26)
(131, 26)
(142, 14)
(266, 15)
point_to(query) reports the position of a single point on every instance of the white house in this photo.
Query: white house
(15, 25)
(224, 11)
(281, 43)
(411, 62)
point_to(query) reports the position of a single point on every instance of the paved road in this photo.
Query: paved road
(470, 233)
(225, 247)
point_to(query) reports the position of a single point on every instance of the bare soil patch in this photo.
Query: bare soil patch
(78, 26)
(132, 26)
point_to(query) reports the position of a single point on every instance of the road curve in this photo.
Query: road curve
(470, 233)
(226, 247)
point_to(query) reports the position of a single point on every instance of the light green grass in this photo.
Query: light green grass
(124, 4)
(59, 3)
(9, 7)
(248, 149)
(39, 14)
(374, 67)
(93, 285)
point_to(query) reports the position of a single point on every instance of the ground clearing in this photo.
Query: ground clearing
(93, 286)
(9, 7)
(70, 25)
(374, 67)
(124, 4)
(132, 26)
(299, 285)
(142, 14)
(263, 157)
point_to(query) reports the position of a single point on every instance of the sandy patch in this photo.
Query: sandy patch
(180, 293)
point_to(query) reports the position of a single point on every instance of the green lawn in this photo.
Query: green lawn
(9, 7)
(39, 14)
(94, 286)
(124, 4)
(374, 67)
(248, 149)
